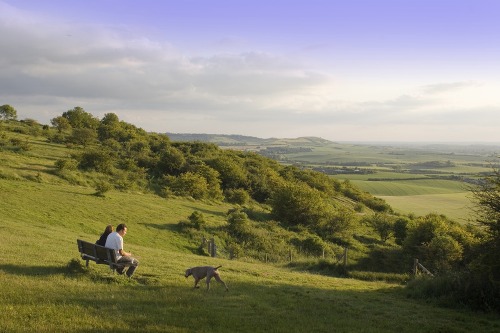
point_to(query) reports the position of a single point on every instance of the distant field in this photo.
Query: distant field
(410, 187)
(421, 196)
(456, 206)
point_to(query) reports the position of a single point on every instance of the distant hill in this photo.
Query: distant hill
(235, 140)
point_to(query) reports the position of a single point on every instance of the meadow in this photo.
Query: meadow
(47, 288)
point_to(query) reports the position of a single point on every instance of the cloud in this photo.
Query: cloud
(440, 88)
(48, 66)
(100, 64)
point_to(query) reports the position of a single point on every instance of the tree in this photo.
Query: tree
(61, 123)
(188, 184)
(486, 196)
(298, 204)
(383, 225)
(83, 136)
(237, 196)
(400, 229)
(79, 118)
(231, 170)
(436, 241)
(8, 112)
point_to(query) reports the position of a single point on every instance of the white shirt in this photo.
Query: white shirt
(115, 242)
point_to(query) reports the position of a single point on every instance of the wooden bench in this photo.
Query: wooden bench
(99, 254)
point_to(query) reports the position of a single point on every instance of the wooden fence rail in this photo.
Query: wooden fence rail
(419, 267)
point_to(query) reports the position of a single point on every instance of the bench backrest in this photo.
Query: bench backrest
(97, 253)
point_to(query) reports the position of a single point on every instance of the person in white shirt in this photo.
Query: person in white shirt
(115, 242)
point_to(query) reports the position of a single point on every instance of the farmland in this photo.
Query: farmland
(417, 178)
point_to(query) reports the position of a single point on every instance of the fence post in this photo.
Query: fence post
(290, 254)
(213, 250)
(415, 266)
(345, 256)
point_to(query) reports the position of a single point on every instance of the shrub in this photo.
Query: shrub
(102, 187)
(237, 196)
(66, 164)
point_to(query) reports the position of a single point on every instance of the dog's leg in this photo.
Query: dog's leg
(208, 282)
(196, 283)
(218, 279)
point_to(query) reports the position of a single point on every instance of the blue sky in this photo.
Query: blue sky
(357, 70)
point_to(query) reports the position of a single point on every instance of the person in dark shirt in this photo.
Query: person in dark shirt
(102, 240)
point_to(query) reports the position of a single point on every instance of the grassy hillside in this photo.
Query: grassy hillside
(46, 287)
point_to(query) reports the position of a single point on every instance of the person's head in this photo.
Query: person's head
(121, 229)
(109, 229)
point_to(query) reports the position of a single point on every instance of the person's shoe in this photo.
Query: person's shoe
(120, 271)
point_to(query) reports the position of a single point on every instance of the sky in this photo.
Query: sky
(342, 70)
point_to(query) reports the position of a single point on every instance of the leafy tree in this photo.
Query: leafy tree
(188, 184)
(237, 196)
(338, 223)
(231, 170)
(382, 224)
(7, 112)
(83, 136)
(445, 252)
(61, 123)
(100, 160)
(433, 240)
(486, 196)
(171, 161)
(79, 118)
(298, 204)
(400, 229)
(109, 126)
(238, 225)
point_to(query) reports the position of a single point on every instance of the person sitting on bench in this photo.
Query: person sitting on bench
(115, 242)
(102, 240)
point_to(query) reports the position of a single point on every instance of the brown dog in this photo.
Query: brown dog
(200, 272)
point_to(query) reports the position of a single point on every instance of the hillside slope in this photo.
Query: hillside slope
(49, 289)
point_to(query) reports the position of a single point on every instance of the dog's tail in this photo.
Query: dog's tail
(216, 268)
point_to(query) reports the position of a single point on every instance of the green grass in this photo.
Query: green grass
(456, 206)
(420, 196)
(46, 287)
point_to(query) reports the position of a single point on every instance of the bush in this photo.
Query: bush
(102, 187)
(237, 196)
(463, 289)
(196, 221)
(66, 164)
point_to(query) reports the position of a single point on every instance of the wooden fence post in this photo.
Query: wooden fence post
(213, 249)
(415, 266)
(345, 256)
